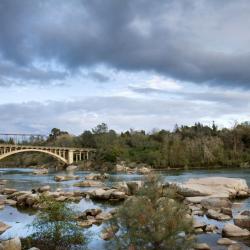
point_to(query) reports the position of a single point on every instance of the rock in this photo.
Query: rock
(122, 186)
(61, 198)
(225, 241)
(41, 171)
(44, 189)
(108, 233)
(10, 202)
(118, 195)
(134, 186)
(214, 202)
(85, 223)
(195, 200)
(211, 228)
(198, 224)
(236, 246)
(3, 182)
(34, 248)
(31, 200)
(231, 230)
(90, 212)
(104, 216)
(89, 184)
(96, 177)
(71, 168)
(3, 227)
(243, 219)
(143, 170)
(212, 214)
(220, 187)
(198, 231)
(9, 191)
(242, 194)
(227, 211)
(59, 178)
(120, 168)
(201, 246)
(12, 244)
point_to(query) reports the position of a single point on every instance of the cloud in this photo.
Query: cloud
(119, 112)
(11, 74)
(188, 40)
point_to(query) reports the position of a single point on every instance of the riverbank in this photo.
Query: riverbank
(23, 179)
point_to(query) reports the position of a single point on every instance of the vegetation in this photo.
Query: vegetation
(152, 220)
(184, 147)
(56, 228)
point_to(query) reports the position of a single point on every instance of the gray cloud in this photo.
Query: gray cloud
(119, 112)
(11, 74)
(197, 41)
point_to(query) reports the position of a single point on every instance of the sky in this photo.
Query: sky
(134, 64)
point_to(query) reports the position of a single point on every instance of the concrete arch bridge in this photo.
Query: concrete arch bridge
(64, 154)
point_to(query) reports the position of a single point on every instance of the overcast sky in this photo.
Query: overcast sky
(138, 64)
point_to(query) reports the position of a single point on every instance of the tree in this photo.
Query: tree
(100, 129)
(152, 220)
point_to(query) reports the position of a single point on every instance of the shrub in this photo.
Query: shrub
(56, 228)
(152, 220)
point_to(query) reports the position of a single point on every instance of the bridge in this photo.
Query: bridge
(64, 154)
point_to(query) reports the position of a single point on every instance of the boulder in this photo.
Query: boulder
(85, 223)
(3, 182)
(89, 184)
(108, 233)
(220, 187)
(201, 246)
(243, 219)
(118, 195)
(198, 224)
(104, 216)
(44, 189)
(3, 227)
(10, 202)
(231, 230)
(122, 186)
(90, 212)
(236, 246)
(41, 171)
(71, 168)
(227, 211)
(96, 177)
(12, 244)
(211, 228)
(214, 202)
(212, 214)
(110, 194)
(225, 241)
(59, 178)
(61, 198)
(9, 191)
(144, 170)
(242, 194)
(31, 200)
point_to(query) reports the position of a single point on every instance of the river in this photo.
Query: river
(23, 179)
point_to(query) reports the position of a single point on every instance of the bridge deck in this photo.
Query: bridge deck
(46, 147)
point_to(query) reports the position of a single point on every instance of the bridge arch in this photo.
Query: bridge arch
(58, 157)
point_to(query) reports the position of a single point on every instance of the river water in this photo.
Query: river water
(23, 179)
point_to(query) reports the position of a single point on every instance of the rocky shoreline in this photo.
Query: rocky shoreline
(211, 197)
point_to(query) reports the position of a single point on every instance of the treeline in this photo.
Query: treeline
(184, 147)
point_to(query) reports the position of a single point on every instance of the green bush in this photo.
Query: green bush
(56, 228)
(152, 220)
